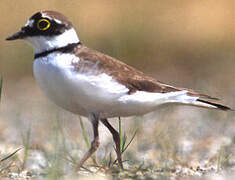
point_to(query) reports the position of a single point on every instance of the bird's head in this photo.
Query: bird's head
(47, 30)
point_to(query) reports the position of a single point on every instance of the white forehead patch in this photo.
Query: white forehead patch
(56, 20)
(30, 23)
(45, 16)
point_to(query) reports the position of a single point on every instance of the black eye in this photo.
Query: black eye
(43, 24)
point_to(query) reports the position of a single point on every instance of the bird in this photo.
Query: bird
(92, 84)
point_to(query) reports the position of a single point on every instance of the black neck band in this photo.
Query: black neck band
(67, 48)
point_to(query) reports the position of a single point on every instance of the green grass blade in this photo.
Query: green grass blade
(110, 160)
(120, 133)
(132, 138)
(123, 139)
(26, 146)
(1, 81)
(84, 134)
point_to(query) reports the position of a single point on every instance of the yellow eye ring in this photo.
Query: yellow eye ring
(43, 27)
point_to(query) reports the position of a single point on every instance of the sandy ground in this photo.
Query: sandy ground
(173, 142)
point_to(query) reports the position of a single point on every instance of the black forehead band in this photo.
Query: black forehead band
(54, 29)
(36, 16)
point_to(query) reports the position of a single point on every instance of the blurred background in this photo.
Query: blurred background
(184, 43)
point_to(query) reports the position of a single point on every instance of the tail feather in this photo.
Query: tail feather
(207, 104)
(184, 97)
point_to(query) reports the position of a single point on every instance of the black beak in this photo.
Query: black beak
(19, 35)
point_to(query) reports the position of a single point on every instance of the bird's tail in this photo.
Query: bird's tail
(196, 99)
(207, 104)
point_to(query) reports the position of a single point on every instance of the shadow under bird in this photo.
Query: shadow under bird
(89, 83)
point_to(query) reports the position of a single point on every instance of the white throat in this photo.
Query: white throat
(45, 43)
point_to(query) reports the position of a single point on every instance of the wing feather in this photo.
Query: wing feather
(133, 79)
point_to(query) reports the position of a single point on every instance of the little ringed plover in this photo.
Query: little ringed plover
(92, 84)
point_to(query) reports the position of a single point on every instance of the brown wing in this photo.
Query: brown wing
(133, 79)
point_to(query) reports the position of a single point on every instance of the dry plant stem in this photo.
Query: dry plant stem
(10, 155)
(94, 118)
(116, 139)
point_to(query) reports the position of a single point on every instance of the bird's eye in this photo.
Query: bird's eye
(43, 24)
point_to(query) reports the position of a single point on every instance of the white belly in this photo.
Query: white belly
(86, 93)
(76, 92)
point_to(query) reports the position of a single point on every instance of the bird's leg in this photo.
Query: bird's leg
(116, 139)
(94, 118)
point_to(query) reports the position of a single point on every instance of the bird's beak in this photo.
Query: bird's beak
(18, 35)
